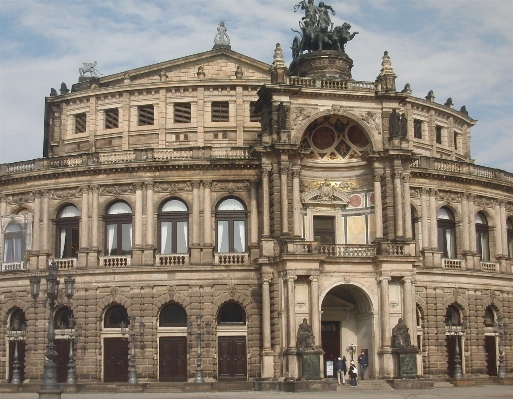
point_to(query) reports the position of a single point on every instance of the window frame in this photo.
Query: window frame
(68, 224)
(180, 114)
(220, 111)
(324, 232)
(108, 116)
(482, 238)
(176, 306)
(231, 217)
(123, 313)
(144, 116)
(15, 239)
(417, 129)
(443, 227)
(118, 220)
(438, 134)
(174, 217)
(80, 125)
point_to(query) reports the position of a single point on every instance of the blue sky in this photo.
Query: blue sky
(459, 49)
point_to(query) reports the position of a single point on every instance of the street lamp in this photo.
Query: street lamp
(199, 361)
(352, 350)
(16, 332)
(50, 388)
(457, 331)
(75, 330)
(499, 328)
(132, 334)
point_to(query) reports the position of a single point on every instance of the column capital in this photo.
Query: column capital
(409, 279)
(284, 169)
(384, 279)
(290, 279)
(95, 188)
(207, 184)
(149, 185)
(266, 281)
(296, 172)
(314, 279)
(195, 184)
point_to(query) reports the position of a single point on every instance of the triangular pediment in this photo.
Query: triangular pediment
(215, 65)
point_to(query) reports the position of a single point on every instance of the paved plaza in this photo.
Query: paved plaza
(481, 392)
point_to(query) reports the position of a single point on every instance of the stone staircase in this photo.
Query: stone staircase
(367, 385)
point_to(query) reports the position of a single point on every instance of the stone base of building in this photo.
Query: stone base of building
(411, 383)
(295, 386)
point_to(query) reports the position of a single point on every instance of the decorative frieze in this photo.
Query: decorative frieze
(230, 187)
(118, 190)
(172, 187)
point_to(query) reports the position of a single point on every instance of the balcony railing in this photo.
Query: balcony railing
(489, 267)
(65, 263)
(115, 261)
(14, 267)
(347, 250)
(172, 259)
(331, 84)
(231, 259)
(455, 264)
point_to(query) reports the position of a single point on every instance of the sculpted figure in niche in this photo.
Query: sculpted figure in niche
(401, 336)
(394, 121)
(403, 126)
(305, 337)
(282, 116)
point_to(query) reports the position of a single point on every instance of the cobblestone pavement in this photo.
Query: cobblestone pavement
(482, 392)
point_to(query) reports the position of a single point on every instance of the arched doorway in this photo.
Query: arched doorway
(172, 332)
(347, 324)
(490, 341)
(231, 339)
(455, 330)
(115, 347)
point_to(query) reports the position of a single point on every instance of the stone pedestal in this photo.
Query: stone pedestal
(323, 64)
(309, 365)
(406, 362)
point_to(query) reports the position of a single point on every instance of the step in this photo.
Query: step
(162, 387)
(367, 385)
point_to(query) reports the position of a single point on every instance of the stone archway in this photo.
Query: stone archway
(347, 321)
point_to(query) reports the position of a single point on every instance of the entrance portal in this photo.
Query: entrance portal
(232, 358)
(172, 359)
(115, 360)
(346, 324)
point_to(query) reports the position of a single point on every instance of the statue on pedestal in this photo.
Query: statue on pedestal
(400, 336)
(305, 337)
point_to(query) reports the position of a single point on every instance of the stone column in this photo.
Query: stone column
(284, 172)
(504, 229)
(424, 209)
(266, 208)
(36, 234)
(409, 307)
(291, 312)
(3, 205)
(378, 205)
(432, 213)
(472, 224)
(499, 223)
(267, 353)
(195, 213)
(138, 225)
(296, 201)
(149, 214)
(254, 214)
(398, 204)
(46, 222)
(95, 217)
(207, 212)
(464, 223)
(385, 313)
(315, 314)
(84, 220)
(407, 207)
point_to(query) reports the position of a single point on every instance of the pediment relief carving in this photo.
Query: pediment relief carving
(325, 193)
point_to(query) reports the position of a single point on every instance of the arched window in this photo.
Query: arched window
(231, 226)
(118, 229)
(115, 315)
(14, 243)
(231, 313)
(446, 233)
(63, 318)
(489, 317)
(482, 244)
(509, 226)
(173, 315)
(67, 232)
(452, 316)
(173, 228)
(17, 321)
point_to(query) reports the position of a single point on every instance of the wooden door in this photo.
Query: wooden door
(491, 355)
(21, 359)
(172, 359)
(451, 350)
(115, 360)
(330, 337)
(62, 359)
(232, 364)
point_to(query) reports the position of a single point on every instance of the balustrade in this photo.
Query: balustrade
(347, 250)
(455, 264)
(65, 263)
(231, 259)
(14, 267)
(489, 266)
(172, 260)
(115, 261)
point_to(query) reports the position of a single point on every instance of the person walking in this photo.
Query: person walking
(353, 373)
(363, 361)
(344, 370)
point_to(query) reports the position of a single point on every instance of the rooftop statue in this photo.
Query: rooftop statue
(222, 40)
(317, 31)
(89, 67)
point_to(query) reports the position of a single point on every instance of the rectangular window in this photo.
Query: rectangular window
(220, 111)
(146, 115)
(182, 113)
(455, 141)
(222, 135)
(80, 123)
(324, 229)
(253, 116)
(438, 133)
(417, 128)
(112, 118)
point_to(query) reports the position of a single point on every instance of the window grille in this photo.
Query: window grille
(220, 111)
(112, 118)
(146, 115)
(182, 113)
(80, 123)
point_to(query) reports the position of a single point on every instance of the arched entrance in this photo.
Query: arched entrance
(346, 324)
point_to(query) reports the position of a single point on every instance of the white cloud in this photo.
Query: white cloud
(459, 49)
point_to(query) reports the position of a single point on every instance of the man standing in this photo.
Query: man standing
(341, 369)
(363, 362)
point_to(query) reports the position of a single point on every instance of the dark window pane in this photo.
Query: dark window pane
(112, 118)
(80, 123)
(173, 315)
(146, 115)
(182, 113)
(232, 313)
(220, 111)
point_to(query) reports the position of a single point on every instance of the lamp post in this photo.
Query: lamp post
(132, 334)
(352, 349)
(50, 388)
(456, 331)
(199, 361)
(73, 334)
(499, 328)
(15, 333)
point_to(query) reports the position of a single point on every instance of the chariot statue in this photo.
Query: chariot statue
(89, 67)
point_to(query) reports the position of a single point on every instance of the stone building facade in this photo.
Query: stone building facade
(221, 200)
